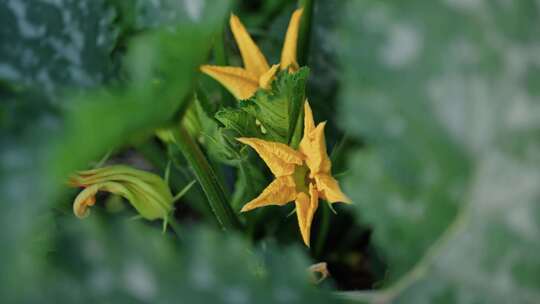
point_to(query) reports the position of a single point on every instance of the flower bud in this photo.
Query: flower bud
(145, 191)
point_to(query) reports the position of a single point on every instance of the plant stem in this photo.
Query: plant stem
(298, 129)
(304, 33)
(175, 227)
(220, 56)
(207, 178)
(323, 231)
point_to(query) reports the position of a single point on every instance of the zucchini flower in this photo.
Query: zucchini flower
(302, 176)
(145, 191)
(256, 73)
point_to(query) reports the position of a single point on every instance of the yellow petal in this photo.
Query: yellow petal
(288, 54)
(306, 205)
(329, 189)
(84, 200)
(281, 191)
(309, 122)
(254, 60)
(241, 83)
(267, 78)
(313, 146)
(280, 158)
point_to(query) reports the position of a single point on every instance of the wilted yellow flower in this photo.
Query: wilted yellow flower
(301, 176)
(244, 82)
(321, 269)
(147, 192)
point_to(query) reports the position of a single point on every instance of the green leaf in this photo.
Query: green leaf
(103, 260)
(54, 45)
(249, 184)
(279, 108)
(153, 78)
(488, 254)
(140, 15)
(445, 96)
(35, 162)
(270, 114)
(502, 216)
(238, 121)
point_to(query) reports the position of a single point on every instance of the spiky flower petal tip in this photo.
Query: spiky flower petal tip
(256, 73)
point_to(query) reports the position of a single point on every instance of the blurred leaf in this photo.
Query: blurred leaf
(102, 260)
(491, 247)
(447, 102)
(162, 65)
(46, 48)
(142, 14)
(34, 164)
(55, 45)
(416, 174)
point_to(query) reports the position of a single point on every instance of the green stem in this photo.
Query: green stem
(183, 191)
(298, 130)
(175, 227)
(207, 179)
(220, 56)
(323, 231)
(304, 33)
(158, 158)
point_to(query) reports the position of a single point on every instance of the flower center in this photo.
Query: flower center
(302, 178)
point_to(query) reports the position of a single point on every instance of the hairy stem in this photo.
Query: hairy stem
(220, 56)
(208, 180)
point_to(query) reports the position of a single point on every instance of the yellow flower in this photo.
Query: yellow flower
(244, 82)
(301, 176)
(147, 192)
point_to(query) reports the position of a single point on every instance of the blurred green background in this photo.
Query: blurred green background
(433, 126)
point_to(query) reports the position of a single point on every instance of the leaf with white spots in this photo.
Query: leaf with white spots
(54, 45)
(445, 94)
(108, 260)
